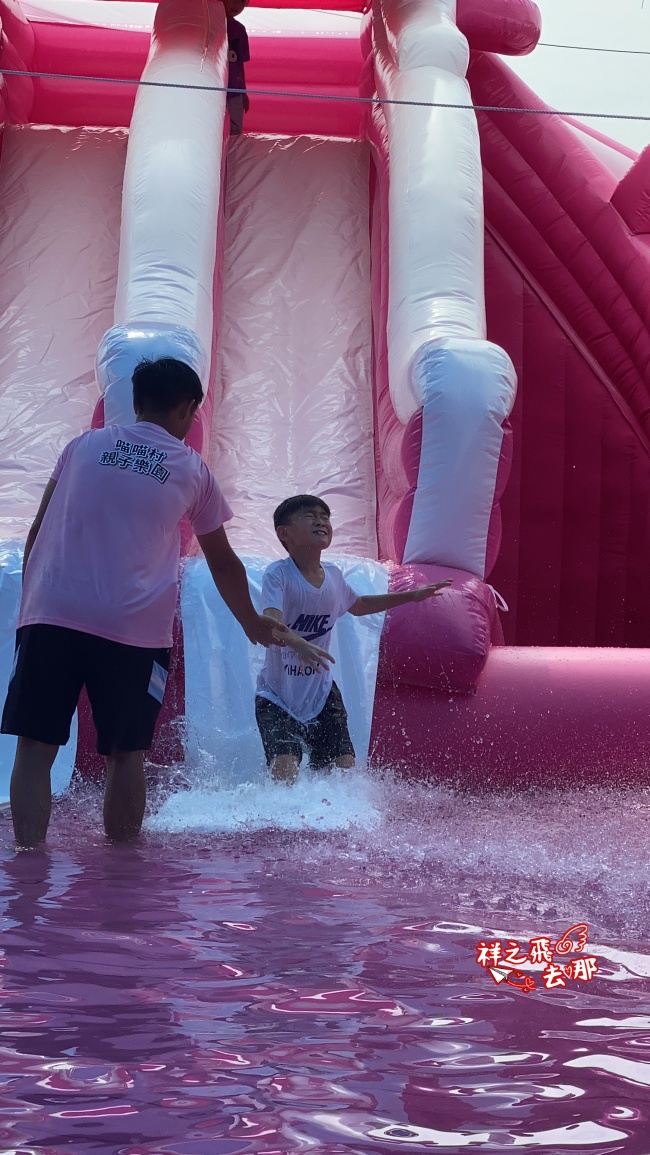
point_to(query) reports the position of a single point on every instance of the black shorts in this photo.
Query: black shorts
(326, 738)
(125, 686)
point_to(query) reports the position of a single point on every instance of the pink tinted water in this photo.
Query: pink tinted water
(266, 990)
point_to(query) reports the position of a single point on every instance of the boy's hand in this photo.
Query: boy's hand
(309, 654)
(432, 591)
(246, 101)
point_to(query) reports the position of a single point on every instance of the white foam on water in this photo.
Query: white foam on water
(334, 802)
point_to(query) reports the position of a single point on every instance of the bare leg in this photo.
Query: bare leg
(125, 796)
(284, 768)
(345, 762)
(31, 792)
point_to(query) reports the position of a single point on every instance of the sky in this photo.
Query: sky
(575, 81)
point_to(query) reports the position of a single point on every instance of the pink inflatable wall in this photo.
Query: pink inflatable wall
(566, 297)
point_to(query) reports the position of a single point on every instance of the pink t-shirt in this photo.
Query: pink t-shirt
(105, 560)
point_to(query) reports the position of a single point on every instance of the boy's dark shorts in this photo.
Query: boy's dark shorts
(325, 738)
(125, 686)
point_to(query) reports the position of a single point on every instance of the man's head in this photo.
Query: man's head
(302, 523)
(234, 7)
(167, 392)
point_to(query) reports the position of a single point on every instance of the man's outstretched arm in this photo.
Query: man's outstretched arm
(229, 577)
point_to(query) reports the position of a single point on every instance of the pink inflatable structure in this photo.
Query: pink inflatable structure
(435, 317)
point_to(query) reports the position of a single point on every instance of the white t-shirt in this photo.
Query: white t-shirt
(312, 613)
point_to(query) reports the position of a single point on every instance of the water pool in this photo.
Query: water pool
(275, 971)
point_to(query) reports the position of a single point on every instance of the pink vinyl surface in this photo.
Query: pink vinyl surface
(630, 198)
(541, 717)
(60, 193)
(568, 288)
(280, 63)
(567, 297)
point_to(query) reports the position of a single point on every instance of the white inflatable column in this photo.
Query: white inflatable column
(438, 358)
(170, 203)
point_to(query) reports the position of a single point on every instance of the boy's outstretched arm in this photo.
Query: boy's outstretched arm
(308, 653)
(377, 603)
(229, 576)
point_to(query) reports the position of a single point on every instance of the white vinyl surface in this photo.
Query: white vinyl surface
(293, 411)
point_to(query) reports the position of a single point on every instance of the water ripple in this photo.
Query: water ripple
(269, 972)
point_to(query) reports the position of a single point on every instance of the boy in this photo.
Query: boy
(100, 584)
(297, 704)
(238, 55)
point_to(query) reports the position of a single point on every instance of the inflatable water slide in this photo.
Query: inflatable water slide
(409, 287)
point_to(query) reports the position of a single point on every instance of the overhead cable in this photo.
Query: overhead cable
(592, 48)
(321, 96)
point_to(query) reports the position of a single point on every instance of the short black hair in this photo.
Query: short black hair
(291, 505)
(163, 384)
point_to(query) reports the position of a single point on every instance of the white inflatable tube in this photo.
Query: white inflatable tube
(438, 359)
(170, 207)
(436, 205)
(467, 390)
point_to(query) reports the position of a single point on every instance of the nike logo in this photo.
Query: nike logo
(312, 626)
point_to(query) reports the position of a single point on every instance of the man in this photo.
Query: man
(238, 55)
(100, 582)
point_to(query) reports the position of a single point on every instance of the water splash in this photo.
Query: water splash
(334, 802)
(582, 853)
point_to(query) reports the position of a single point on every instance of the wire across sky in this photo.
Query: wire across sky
(322, 96)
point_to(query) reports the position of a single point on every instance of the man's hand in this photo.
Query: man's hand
(266, 631)
(307, 652)
(432, 591)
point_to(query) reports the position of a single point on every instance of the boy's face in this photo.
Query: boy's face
(307, 528)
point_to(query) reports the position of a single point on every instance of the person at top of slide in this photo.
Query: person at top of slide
(238, 55)
(298, 706)
(100, 585)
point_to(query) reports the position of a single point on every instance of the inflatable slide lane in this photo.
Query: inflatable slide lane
(324, 274)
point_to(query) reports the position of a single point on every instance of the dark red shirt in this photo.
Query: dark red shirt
(238, 53)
